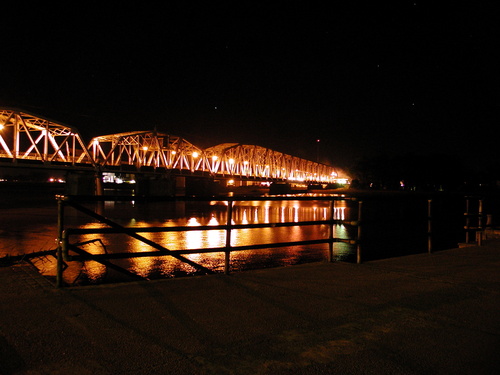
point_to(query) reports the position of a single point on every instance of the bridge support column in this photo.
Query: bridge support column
(201, 186)
(154, 186)
(99, 187)
(180, 186)
(80, 183)
(280, 188)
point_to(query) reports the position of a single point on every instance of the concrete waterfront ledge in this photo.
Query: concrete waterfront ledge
(428, 313)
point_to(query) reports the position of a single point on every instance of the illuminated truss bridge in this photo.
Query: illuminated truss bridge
(26, 137)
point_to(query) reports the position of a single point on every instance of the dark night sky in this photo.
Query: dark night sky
(383, 77)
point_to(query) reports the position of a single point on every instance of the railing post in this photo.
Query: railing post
(467, 220)
(227, 251)
(429, 226)
(479, 233)
(60, 226)
(330, 243)
(358, 242)
(488, 226)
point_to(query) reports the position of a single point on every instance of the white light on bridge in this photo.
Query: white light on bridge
(166, 151)
(342, 181)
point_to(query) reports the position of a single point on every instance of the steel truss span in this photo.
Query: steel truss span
(256, 161)
(26, 136)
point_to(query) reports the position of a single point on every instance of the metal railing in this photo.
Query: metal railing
(68, 251)
(474, 219)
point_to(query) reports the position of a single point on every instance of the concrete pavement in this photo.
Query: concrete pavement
(419, 314)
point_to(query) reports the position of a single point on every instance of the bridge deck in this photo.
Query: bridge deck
(25, 138)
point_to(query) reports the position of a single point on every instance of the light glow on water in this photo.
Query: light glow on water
(171, 214)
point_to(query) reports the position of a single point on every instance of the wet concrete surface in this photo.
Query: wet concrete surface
(419, 314)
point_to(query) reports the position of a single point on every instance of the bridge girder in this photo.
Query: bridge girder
(25, 136)
(160, 150)
(145, 149)
(260, 162)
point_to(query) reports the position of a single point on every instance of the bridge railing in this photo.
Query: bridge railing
(68, 251)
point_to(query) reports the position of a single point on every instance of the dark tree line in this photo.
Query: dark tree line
(436, 172)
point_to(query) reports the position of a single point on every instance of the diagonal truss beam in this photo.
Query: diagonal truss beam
(27, 136)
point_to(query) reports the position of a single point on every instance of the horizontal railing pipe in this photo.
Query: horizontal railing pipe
(114, 228)
(75, 231)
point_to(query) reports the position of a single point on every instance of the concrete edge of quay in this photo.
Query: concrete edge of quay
(424, 313)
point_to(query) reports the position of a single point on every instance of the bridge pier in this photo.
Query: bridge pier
(198, 186)
(82, 183)
(154, 186)
(148, 185)
(29, 141)
(280, 188)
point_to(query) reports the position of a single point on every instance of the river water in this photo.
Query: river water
(391, 227)
(27, 230)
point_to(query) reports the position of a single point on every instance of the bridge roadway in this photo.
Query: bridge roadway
(31, 141)
(420, 314)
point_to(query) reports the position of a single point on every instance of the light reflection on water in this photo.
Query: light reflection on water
(195, 214)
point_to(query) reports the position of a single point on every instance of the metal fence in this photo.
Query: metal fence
(68, 251)
(431, 216)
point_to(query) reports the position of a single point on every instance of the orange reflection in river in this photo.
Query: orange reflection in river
(248, 212)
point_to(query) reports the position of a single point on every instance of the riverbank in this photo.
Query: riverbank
(416, 314)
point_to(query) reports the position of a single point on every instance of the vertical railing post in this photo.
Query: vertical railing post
(227, 251)
(488, 226)
(99, 191)
(429, 226)
(479, 233)
(330, 239)
(358, 242)
(60, 228)
(467, 220)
